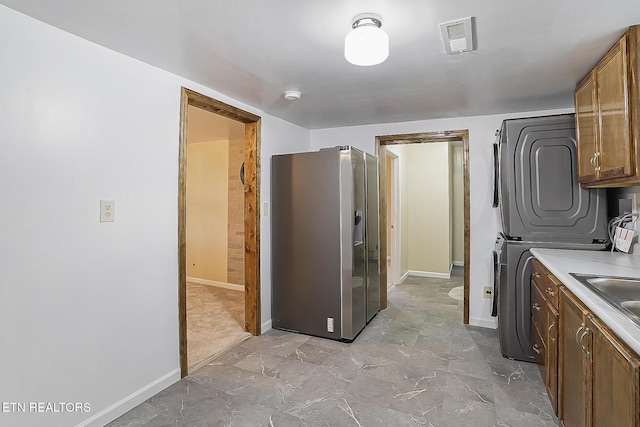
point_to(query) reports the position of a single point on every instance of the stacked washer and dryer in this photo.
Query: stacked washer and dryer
(541, 206)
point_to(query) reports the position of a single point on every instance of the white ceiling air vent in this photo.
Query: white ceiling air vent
(457, 35)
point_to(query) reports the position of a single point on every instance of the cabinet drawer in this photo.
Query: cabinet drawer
(538, 273)
(539, 351)
(538, 308)
(552, 290)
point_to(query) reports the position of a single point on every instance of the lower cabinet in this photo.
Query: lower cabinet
(544, 327)
(592, 377)
(552, 359)
(615, 380)
(574, 364)
(599, 376)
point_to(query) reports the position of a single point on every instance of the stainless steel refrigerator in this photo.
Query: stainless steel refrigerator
(325, 260)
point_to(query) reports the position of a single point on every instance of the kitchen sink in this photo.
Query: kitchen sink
(622, 293)
(632, 306)
(621, 287)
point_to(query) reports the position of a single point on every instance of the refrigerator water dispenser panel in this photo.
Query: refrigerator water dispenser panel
(358, 228)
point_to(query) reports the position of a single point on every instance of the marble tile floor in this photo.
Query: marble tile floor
(415, 364)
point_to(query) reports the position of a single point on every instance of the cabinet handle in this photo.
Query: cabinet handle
(578, 332)
(536, 306)
(595, 160)
(550, 327)
(584, 350)
(536, 349)
(550, 292)
(536, 275)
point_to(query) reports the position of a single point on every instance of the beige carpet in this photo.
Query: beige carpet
(215, 321)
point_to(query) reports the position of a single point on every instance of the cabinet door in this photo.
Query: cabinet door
(615, 380)
(552, 356)
(616, 153)
(586, 129)
(574, 366)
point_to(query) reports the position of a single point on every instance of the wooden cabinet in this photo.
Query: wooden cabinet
(574, 367)
(592, 377)
(607, 104)
(544, 327)
(615, 380)
(599, 376)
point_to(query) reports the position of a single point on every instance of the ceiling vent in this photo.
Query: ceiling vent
(458, 35)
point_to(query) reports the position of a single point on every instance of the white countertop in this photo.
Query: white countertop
(561, 262)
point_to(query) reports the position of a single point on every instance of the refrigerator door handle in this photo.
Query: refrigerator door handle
(496, 178)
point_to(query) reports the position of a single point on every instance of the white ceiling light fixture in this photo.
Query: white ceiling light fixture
(366, 44)
(292, 95)
(458, 35)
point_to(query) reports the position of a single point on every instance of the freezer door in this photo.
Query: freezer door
(373, 238)
(540, 195)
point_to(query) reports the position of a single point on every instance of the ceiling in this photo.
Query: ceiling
(530, 54)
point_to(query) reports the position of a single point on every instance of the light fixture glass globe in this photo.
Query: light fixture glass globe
(366, 45)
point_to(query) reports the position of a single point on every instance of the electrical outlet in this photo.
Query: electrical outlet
(107, 211)
(488, 292)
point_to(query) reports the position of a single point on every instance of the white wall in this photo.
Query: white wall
(457, 208)
(89, 310)
(425, 216)
(484, 219)
(207, 202)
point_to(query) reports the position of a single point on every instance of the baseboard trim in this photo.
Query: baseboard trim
(458, 263)
(485, 323)
(266, 326)
(131, 401)
(429, 274)
(207, 282)
(404, 276)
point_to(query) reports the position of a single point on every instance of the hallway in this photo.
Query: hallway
(416, 364)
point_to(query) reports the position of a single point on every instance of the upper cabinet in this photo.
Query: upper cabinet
(607, 103)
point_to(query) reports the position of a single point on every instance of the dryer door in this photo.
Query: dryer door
(538, 171)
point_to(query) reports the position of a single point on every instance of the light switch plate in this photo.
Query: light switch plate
(107, 211)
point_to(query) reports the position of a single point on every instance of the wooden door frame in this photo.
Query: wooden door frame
(395, 204)
(251, 213)
(419, 138)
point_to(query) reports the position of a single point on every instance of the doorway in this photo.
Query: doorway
(215, 235)
(421, 138)
(251, 187)
(392, 163)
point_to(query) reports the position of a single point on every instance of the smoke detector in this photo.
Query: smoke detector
(458, 35)
(292, 95)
